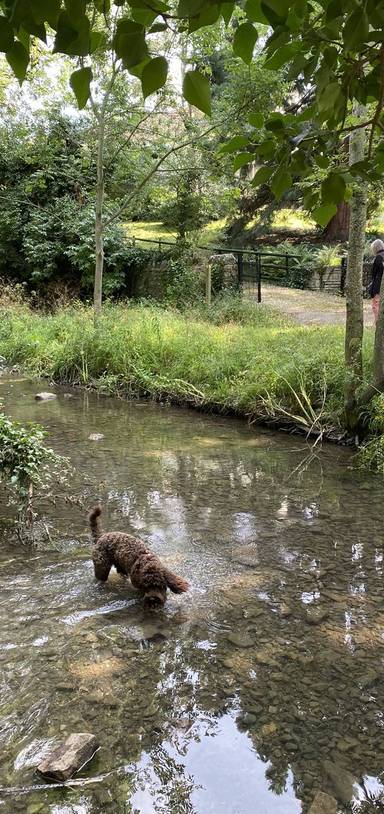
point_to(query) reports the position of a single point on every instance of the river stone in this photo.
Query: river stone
(315, 616)
(68, 758)
(69, 396)
(342, 781)
(96, 436)
(323, 804)
(45, 396)
(240, 639)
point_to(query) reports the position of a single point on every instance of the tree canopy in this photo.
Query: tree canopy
(334, 50)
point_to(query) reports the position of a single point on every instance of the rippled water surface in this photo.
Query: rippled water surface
(258, 688)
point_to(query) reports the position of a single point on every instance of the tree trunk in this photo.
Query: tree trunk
(338, 227)
(99, 227)
(354, 285)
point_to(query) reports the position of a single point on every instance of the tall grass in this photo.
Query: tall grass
(232, 357)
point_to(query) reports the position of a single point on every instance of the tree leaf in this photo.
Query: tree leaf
(197, 91)
(154, 76)
(330, 96)
(256, 120)
(283, 55)
(235, 143)
(333, 188)
(323, 214)
(262, 176)
(227, 11)
(242, 159)
(6, 35)
(356, 29)
(244, 42)
(18, 59)
(80, 83)
(46, 11)
(190, 8)
(281, 181)
(253, 11)
(70, 38)
(208, 16)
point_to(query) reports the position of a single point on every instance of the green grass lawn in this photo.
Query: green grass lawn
(209, 235)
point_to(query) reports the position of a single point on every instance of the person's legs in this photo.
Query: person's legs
(376, 307)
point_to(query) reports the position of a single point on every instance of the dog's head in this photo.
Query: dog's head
(154, 598)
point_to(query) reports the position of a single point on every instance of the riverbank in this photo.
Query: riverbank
(232, 358)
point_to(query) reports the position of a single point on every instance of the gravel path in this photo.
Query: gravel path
(311, 307)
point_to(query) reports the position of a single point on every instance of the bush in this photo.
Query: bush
(26, 464)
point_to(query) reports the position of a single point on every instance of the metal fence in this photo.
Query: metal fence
(255, 268)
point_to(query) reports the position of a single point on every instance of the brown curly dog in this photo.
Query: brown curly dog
(131, 557)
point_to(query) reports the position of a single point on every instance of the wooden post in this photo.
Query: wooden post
(208, 285)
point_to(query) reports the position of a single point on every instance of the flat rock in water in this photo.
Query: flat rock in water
(96, 436)
(67, 759)
(342, 781)
(45, 396)
(323, 804)
(315, 616)
(240, 639)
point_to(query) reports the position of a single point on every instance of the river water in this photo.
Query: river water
(258, 688)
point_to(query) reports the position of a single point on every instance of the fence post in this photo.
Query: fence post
(208, 285)
(240, 268)
(258, 262)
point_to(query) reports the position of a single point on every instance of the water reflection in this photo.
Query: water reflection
(261, 686)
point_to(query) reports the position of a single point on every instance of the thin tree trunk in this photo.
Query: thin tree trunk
(99, 226)
(354, 284)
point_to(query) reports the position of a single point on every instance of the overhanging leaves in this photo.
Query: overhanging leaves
(80, 82)
(6, 35)
(323, 214)
(244, 42)
(18, 59)
(197, 91)
(241, 160)
(154, 75)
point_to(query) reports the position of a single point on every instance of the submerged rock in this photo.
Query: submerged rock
(240, 639)
(68, 758)
(45, 396)
(96, 436)
(342, 781)
(323, 804)
(315, 615)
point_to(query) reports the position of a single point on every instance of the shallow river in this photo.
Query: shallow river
(249, 694)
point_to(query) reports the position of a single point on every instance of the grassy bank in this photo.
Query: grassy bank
(233, 358)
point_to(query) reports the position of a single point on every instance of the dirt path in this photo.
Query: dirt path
(311, 307)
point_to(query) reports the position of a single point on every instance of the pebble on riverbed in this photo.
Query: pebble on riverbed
(67, 759)
(45, 396)
(96, 436)
(323, 804)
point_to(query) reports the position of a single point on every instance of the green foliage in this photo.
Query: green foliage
(371, 453)
(236, 364)
(26, 463)
(81, 85)
(197, 92)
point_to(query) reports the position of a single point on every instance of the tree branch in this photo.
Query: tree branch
(152, 172)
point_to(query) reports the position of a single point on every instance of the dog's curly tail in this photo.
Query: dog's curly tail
(176, 584)
(95, 523)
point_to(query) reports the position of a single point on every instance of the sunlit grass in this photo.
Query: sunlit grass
(234, 357)
(148, 231)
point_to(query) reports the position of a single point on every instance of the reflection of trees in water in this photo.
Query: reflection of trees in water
(307, 695)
